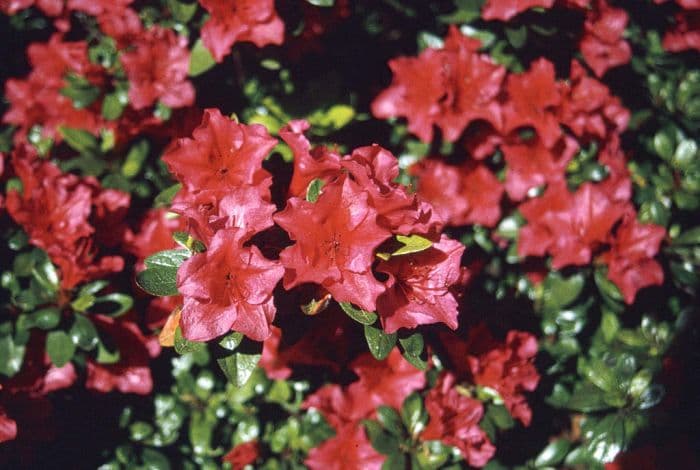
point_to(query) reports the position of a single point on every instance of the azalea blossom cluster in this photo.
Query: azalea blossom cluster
(226, 202)
(72, 86)
(538, 125)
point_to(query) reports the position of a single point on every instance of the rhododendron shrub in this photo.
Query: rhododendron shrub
(349, 234)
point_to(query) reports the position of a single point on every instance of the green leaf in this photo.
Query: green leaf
(11, 356)
(60, 348)
(517, 37)
(83, 333)
(380, 343)
(80, 140)
(80, 91)
(382, 441)
(559, 291)
(412, 349)
(322, 3)
(186, 240)
(357, 314)
(395, 461)
(413, 414)
(135, 158)
(184, 346)
(45, 319)
(610, 293)
(231, 340)
(165, 197)
(182, 12)
(239, 365)
(390, 419)
(587, 398)
(314, 190)
(124, 301)
(201, 59)
(160, 276)
(113, 105)
(553, 454)
(411, 244)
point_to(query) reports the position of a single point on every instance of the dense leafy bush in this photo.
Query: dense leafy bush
(349, 234)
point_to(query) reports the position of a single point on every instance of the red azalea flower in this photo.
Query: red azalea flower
(122, 25)
(618, 185)
(531, 164)
(157, 68)
(309, 164)
(460, 196)
(419, 287)
(221, 155)
(8, 427)
(155, 233)
(568, 226)
(348, 449)
(454, 420)
(274, 366)
(48, 7)
(602, 44)
(533, 96)
(243, 454)
(132, 374)
(373, 168)
(685, 33)
(386, 382)
(450, 88)
(37, 100)
(98, 7)
(228, 287)
(506, 367)
(233, 21)
(335, 241)
(54, 209)
(588, 109)
(631, 264)
(504, 10)
(206, 212)
(339, 406)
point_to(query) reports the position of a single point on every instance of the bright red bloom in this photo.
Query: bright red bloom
(588, 109)
(233, 21)
(454, 420)
(450, 88)
(419, 287)
(533, 96)
(157, 69)
(348, 449)
(568, 226)
(504, 10)
(505, 367)
(685, 34)
(155, 233)
(228, 287)
(602, 44)
(530, 164)
(221, 155)
(37, 100)
(275, 367)
(54, 209)
(206, 212)
(335, 241)
(460, 196)
(243, 454)
(309, 163)
(386, 382)
(631, 264)
(132, 374)
(373, 168)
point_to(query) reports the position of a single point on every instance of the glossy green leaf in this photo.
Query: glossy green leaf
(314, 190)
(238, 366)
(201, 59)
(83, 333)
(361, 316)
(59, 347)
(184, 346)
(380, 343)
(412, 348)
